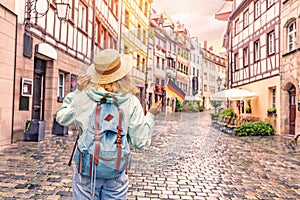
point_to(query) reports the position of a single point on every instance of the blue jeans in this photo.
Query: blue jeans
(114, 188)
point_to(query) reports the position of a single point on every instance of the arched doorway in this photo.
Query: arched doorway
(292, 108)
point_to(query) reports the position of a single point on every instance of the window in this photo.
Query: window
(270, 3)
(256, 9)
(126, 50)
(236, 27)
(245, 57)
(115, 7)
(82, 16)
(291, 30)
(274, 98)
(71, 2)
(61, 87)
(103, 41)
(126, 19)
(157, 81)
(141, 4)
(256, 51)
(163, 63)
(205, 88)
(139, 32)
(138, 60)
(271, 43)
(246, 18)
(144, 65)
(157, 62)
(205, 76)
(146, 8)
(236, 61)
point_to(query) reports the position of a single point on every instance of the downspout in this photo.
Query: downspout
(147, 62)
(120, 29)
(14, 86)
(93, 32)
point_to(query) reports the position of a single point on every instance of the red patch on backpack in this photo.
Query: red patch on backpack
(109, 117)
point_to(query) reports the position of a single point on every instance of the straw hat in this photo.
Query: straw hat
(109, 66)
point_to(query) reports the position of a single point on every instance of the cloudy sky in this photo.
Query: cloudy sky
(198, 18)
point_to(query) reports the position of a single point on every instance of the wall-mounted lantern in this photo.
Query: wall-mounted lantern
(62, 10)
(38, 9)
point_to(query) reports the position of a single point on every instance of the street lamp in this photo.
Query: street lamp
(40, 8)
(219, 82)
(62, 10)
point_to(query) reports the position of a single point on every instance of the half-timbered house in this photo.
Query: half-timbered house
(253, 44)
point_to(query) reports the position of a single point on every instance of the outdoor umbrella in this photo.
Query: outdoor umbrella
(233, 94)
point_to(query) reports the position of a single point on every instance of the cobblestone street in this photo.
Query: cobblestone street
(188, 159)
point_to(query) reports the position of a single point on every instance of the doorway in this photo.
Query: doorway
(292, 101)
(38, 89)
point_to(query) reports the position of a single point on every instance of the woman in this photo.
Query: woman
(107, 75)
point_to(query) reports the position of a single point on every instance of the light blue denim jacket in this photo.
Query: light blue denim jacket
(79, 105)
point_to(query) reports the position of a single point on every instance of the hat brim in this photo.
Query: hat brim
(126, 66)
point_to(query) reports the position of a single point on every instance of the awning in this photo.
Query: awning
(233, 94)
(192, 98)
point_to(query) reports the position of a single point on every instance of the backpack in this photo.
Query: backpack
(102, 150)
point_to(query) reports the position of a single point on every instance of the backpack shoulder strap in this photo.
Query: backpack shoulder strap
(119, 140)
(97, 133)
(104, 100)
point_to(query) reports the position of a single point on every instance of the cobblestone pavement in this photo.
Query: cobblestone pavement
(188, 159)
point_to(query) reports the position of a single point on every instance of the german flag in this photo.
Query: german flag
(173, 89)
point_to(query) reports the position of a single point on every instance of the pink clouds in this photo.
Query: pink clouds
(197, 16)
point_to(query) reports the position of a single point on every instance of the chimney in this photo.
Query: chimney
(205, 44)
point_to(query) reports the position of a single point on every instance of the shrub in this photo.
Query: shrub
(228, 112)
(191, 107)
(215, 104)
(255, 129)
(178, 106)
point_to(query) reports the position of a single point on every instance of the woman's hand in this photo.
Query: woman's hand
(83, 81)
(156, 108)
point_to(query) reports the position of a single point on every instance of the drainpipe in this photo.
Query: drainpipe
(120, 29)
(93, 31)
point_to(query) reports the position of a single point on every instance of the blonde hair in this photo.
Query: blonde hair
(124, 85)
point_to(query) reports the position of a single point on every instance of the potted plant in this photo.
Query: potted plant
(248, 110)
(271, 111)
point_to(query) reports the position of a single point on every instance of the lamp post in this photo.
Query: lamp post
(219, 82)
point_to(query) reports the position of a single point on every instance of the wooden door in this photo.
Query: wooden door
(38, 89)
(292, 99)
